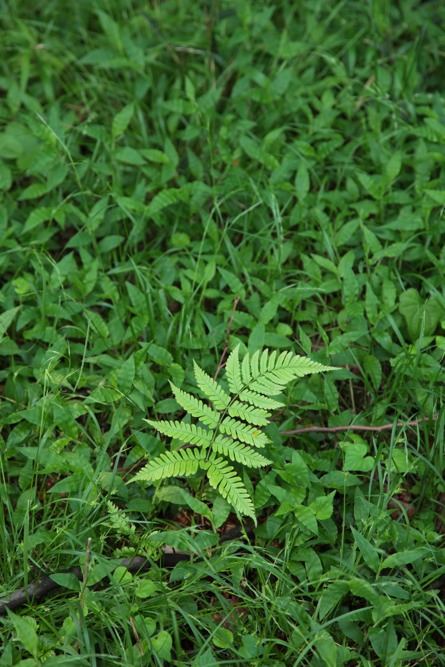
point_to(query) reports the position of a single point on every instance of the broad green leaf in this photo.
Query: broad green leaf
(323, 506)
(302, 182)
(222, 638)
(129, 155)
(307, 518)
(402, 558)
(393, 166)
(355, 457)
(326, 649)
(37, 217)
(26, 629)
(122, 120)
(159, 354)
(66, 580)
(125, 375)
(234, 283)
(373, 368)
(437, 195)
(179, 496)
(6, 319)
(162, 645)
(330, 597)
(147, 588)
(384, 641)
(369, 553)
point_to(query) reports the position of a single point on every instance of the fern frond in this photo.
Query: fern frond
(195, 407)
(231, 427)
(243, 432)
(233, 371)
(236, 451)
(212, 390)
(188, 433)
(255, 416)
(180, 463)
(259, 401)
(224, 479)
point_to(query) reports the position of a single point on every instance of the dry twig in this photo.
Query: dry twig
(357, 427)
(226, 342)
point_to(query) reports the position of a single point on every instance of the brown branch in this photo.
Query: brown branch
(226, 342)
(39, 589)
(357, 427)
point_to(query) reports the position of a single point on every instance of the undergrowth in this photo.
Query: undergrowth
(178, 180)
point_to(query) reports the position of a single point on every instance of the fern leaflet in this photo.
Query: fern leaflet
(211, 389)
(236, 451)
(233, 372)
(250, 414)
(224, 478)
(188, 433)
(249, 434)
(260, 401)
(195, 407)
(180, 463)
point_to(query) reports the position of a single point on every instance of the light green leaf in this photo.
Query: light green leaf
(243, 432)
(146, 588)
(222, 637)
(180, 463)
(233, 372)
(212, 390)
(224, 478)
(236, 451)
(26, 629)
(188, 433)
(250, 414)
(162, 645)
(195, 407)
(259, 401)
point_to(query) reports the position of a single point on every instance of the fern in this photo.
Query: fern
(230, 428)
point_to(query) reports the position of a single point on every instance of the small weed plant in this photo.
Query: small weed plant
(230, 424)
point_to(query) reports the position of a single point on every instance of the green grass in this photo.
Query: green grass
(158, 163)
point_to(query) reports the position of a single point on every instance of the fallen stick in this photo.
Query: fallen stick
(357, 427)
